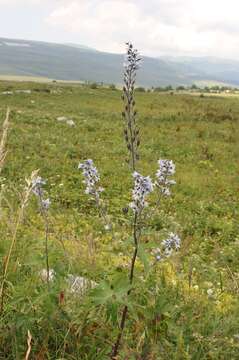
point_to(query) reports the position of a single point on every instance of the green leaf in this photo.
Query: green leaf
(144, 258)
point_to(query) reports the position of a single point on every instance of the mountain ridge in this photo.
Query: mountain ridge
(75, 62)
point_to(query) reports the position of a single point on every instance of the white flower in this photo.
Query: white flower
(142, 187)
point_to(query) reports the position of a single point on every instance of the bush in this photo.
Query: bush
(94, 85)
(140, 89)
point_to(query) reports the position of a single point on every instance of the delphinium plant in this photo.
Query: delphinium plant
(143, 185)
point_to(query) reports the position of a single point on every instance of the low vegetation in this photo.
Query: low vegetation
(180, 307)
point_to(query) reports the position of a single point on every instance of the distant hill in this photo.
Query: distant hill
(212, 68)
(78, 62)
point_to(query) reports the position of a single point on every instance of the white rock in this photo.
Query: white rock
(61, 118)
(210, 292)
(23, 91)
(70, 122)
(66, 120)
(43, 275)
(7, 92)
(79, 285)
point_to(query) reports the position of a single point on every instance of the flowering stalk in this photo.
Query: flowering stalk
(131, 132)
(165, 171)
(143, 186)
(44, 206)
(91, 180)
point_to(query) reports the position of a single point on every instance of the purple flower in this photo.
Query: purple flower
(166, 169)
(142, 187)
(92, 177)
(173, 242)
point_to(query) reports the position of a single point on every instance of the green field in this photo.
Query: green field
(172, 315)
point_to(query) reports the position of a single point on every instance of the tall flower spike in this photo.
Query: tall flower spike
(131, 132)
(142, 187)
(166, 170)
(92, 177)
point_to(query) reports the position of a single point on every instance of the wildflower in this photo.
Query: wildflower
(37, 189)
(142, 187)
(166, 169)
(37, 184)
(92, 177)
(46, 203)
(157, 254)
(173, 242)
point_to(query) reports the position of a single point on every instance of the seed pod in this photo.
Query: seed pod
(129, 146)
(138, 142)
(123, 114)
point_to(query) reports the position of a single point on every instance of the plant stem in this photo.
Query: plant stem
(46, 223)
(116, 346)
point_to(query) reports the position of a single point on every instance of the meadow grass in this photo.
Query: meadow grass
(186, 308)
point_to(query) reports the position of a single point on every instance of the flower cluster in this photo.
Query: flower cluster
(166, 169)
(92, 177)
(132, 59)
(142, 187)
(37, 184)
(173, 242)
(37, 189)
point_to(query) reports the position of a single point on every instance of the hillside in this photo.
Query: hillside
(76, 62)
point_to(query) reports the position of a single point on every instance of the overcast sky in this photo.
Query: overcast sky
(157, 27)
